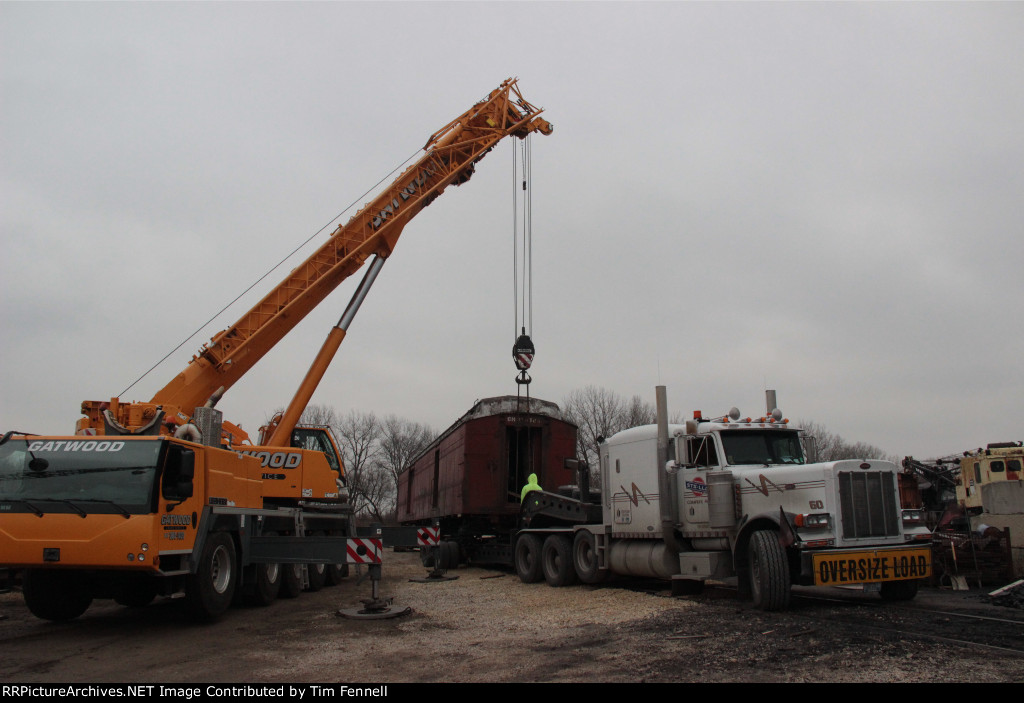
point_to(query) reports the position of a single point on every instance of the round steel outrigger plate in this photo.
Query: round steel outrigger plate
(434, 577)
(375, 610)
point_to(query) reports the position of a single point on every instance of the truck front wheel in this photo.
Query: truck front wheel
(527, 557)
(769, 571)
(556, 560)
(54, 595)
(209, 590)
(584, 558)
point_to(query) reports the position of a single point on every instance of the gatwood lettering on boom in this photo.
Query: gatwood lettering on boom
(406, 193)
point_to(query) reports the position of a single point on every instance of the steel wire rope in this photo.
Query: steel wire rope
(515, 243)
(270, 271)
(525, 300)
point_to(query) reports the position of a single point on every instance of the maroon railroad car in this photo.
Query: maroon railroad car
(470, 478)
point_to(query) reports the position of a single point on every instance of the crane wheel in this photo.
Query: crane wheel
(336, 573)
(317, 573)
(209, 591)
(266, 583)
(54, 595)
(291, 580)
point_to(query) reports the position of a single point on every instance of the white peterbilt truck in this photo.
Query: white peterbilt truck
(723, 497)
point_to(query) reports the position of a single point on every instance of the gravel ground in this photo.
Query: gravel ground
(487, 626)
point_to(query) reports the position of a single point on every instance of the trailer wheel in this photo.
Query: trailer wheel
(54, 595)
(291, 580)
(556, 558)
(584, 558)
(769, 571)
(208, 592)
(898, 590)
(527, 556)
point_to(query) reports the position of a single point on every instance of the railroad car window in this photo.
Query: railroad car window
(996, 467)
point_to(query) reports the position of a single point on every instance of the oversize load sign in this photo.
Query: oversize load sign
(840, 568)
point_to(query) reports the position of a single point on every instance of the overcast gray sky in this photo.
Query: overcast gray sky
(824, 199)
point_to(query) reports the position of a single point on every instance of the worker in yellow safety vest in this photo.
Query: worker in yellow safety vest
(532, 485)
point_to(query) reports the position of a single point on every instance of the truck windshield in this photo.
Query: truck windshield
(762, 447)
(82, 475)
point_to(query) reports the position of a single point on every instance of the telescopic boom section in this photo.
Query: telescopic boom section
(451, 154)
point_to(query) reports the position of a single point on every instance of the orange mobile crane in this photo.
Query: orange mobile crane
(165, 497)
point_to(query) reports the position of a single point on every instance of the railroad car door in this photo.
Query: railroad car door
(524, 457)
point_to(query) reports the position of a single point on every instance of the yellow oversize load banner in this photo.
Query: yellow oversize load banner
(865, 566)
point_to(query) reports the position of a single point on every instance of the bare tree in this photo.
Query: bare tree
(597, 413)
(374, 452)
(600, 413)
(319, 415)
(359, 435)
(822, 445)
(639, 412)
(401, 441)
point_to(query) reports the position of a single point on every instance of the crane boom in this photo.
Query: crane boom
(450, 157)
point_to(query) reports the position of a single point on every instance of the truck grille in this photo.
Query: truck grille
(868, 500)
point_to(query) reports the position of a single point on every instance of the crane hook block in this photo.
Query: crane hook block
(523, 351)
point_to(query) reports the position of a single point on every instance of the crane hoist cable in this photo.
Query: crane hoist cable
(522, 286)
(522, 238)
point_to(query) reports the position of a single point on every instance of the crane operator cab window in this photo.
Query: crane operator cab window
(316, 439)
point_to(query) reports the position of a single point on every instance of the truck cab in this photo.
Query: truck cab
(739, 499)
